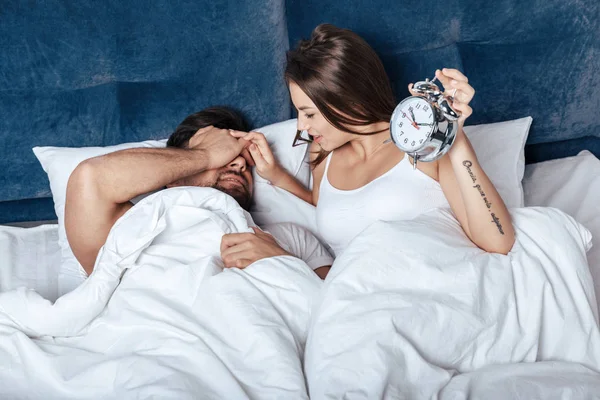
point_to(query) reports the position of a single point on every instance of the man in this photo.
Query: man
(201, 152)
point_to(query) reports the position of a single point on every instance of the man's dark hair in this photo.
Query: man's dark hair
(220, 117)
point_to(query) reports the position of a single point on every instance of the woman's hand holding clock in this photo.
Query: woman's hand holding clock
(456, 86)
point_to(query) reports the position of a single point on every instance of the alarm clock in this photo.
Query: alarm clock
(424, 126)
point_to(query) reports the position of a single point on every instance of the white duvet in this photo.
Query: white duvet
(159, 318)
(413, 310)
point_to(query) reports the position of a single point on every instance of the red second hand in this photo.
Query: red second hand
(411, 121)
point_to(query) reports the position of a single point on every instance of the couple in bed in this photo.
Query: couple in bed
(344, 101)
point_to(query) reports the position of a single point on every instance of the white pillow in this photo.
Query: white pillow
(60, 162)
(500, 149)
(280, 137)
(571, 184)
(273, 205)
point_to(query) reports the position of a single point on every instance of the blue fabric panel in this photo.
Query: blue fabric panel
(41, 209)
(82, 73)
(549, 151)
(539, 58)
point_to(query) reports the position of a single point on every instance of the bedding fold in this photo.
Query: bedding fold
(159, 317)
(409, 305)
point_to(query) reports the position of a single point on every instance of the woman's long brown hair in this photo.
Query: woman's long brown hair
(344, 77)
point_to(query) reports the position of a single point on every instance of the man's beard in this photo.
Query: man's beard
(241, 194)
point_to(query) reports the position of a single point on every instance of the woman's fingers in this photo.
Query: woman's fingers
(451, 78)
(259, 140)
(264, 148)
(464, 109)
(451, 73)
(237, 134)
(248, 157)
(259, 160)
(261, 152)
(444, 80)
(464, 92)
(410, 89)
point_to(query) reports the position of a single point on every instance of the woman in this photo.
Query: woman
(345, 101)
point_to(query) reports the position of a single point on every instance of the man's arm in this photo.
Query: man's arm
(242, 249)
(99, 190)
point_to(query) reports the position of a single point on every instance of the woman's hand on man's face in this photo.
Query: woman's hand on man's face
(218, 146)
(267, 166)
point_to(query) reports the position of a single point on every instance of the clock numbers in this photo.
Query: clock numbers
(413, 124)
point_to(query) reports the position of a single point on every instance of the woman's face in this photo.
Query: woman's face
(311, 120)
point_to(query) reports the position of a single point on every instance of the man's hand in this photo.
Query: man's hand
(239, 250)
(218, 146)
(100, 188)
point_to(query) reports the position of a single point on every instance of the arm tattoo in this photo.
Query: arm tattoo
(468, 164)
(497, 222)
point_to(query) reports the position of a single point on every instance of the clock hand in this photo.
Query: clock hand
(425, 124)
(412, 114)
(413, 123)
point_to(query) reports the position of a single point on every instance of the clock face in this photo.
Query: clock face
(411, 124)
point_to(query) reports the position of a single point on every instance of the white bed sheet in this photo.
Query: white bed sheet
(30, 257)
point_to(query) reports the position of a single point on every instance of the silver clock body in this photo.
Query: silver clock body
(424, 126)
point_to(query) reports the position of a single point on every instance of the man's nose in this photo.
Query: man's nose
(238, 164)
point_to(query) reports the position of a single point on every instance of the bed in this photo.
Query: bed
(80, 79)
(33, 260)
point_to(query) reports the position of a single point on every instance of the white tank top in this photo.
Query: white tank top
(401, 193)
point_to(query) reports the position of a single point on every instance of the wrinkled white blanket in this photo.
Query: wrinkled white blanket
(159, 318)
(412, 304)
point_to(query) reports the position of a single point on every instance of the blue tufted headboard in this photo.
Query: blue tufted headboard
(536, 57)
(81, 73)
